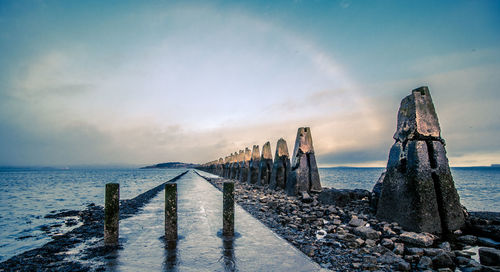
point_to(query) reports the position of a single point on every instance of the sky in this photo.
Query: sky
(135, 83)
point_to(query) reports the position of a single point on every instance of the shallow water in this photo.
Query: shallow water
(26, 196)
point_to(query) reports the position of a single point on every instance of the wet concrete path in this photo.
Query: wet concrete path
(199, 248)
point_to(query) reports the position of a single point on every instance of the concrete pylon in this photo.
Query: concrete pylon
(232, 162)
(304, 175)
(244, 165)
(226, 167)
(281, 166)
(253, 171)
(220, 167)
(265, 166)
(237, 164)
(418, 190)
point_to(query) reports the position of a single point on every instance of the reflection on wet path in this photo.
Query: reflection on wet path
(199, 248)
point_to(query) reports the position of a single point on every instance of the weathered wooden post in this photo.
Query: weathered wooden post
(111, 214)
(171, 212)
(228, 209)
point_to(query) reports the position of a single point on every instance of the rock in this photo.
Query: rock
(304, 175)
(389, 258)
(370, 243)
(432, 251)
(399, 248)
(341, 197)
(487, 242)
(418, 190)
(281, 166)
(442, 260)
(415, 251)
(418, 239)
(369, 259)
(305, 197)
(467, 239)
(253, 167)
(266, 165)
(404, 266)
(367, 232)
(445, 246)
(356, 222)
(489, 256)
(425, 263)
(388, 243)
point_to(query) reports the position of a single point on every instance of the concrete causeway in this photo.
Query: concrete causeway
(200, 246)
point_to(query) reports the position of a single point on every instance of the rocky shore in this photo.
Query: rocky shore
(346, 236)
(81, 249)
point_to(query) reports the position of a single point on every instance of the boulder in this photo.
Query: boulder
(489, 256)
(367, 233)
(304, 175)
(266, 165)
(418, 190)
(418, 239)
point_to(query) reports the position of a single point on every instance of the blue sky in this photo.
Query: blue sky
(127, 82)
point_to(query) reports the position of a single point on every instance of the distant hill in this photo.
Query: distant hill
(495, 165)
(171, 165)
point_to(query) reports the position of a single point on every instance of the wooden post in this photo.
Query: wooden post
(111, 214)
(171, 212)
(228, 209)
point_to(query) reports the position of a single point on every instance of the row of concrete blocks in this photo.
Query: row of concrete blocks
(301, 175)
(112, 213)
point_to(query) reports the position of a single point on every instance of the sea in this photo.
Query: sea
(28, 195)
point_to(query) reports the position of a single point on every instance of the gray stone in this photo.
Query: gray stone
(418, 239)
(404, 266)
(425, 263)
(304, 175)
(253, 166)
(415, 251)
(388, 243)
(281, 166)
(467, 239)
(418, 190)
(389, 258)
(433, 251)
(487, 242)
(399, 248)
(442, 260)
(265, 165)
(367, 233)
(489, 256)
(356, 222)
(445, 246)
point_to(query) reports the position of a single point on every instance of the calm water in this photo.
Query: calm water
(26, 196)
(478, 187)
